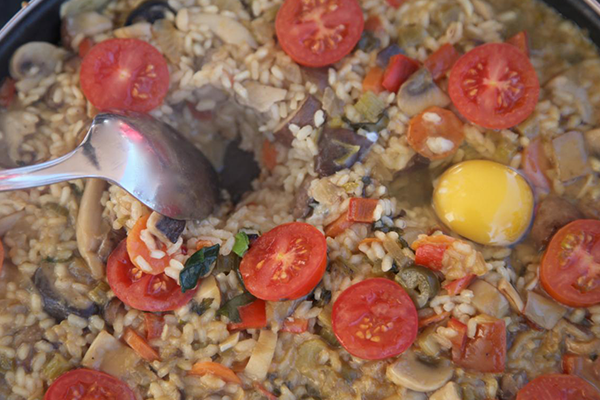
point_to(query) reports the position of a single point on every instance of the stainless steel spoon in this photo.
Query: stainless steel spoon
(144, 156)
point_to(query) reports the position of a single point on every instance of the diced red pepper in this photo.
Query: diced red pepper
(485, 352)
(441, 61)
(373, 24)
(520, 41)
(269, 155)
(430, 256)
(399, 69)
(253, 316)
(396, 3)
(154, 326)
(362, 210)
(85, 46)
(458, 285)
(338, 226)
(7, 92)
(434, 319)
(373, 80)
(295, 325)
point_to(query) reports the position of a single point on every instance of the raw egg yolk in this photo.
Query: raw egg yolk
(484, 201)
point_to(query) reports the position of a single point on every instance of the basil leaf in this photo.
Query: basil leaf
(201, 308)
(242, 242)
(230, 308)
(198, 266)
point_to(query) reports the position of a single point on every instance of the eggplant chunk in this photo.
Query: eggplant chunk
(570, 156)
(60, 303)
(164, 228)
(304, 115)
(149, 11)
(553, 213)
(340, 148)
(240, 169)
(419, 93)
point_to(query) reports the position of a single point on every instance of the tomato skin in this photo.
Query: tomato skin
(446, 126)
(97, 385)
(486, 352)
(399, 69)
(558, 387)
(285, 263)
(139, 290)
(253, 316)
(154, 326)
(458, 285)
(570, 271)
(136, 247)
(300, 38)
(491, 72)
(520, 41)
(125, 74)
(295, 325)
(7, 92)
(441, 61)
(363, 308)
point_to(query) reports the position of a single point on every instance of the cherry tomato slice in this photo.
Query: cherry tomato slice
(143, 291)
(486, 352)
(125, 74)
(520, 41)
(88, 384)
(285, 263)
(319, 33)
(136, 247)
(494, 86)
(558, 387)
(570, 269)
(436, 133)
(375, 319)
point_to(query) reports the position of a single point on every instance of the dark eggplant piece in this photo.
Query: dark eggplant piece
(553, 213)
(340, 148)
(150, 11)
(318, 76)
(304, 115)
(368, 42)
(110, 242)
(59, 304)
(383, 57)
(302, 201)
(239, 171)
(419, 93)
(570, 156)
(164, 228)
(112, 310)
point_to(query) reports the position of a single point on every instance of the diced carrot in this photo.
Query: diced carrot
(372, 81)
(7, 92)
(520, 41)
(433, 319)
(136, 247)
(369, 241)
(264, 391)
(441, 61)
(269, 155)
(154, 326)
(399, 69)
(458, 285)
(338, 226)
(295, 325)
(140, 346)
(396, 3)
(362, 210)
(373, 24)
(200, 244)
(205, 115)
(215, 369)
(85, 46)
(253, 316)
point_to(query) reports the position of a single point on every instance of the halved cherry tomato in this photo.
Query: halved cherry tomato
(375, 319)
(536, 163)
(398, 70)
(143, 291)
(441, 61)
(494, 86)
(570, 269)
(136, 247)
(285, 263)
(7, 92)
(372, 81)
(154, 326)
(429, 251)
(520, 41)
(583, 367)
(558, 387)
(319, 33)
(436, 133)
(253, 316)
(269, 155)
(125, 74)
(216, 369)
(88, 384)
(338, 226)
(458, 285)
(295, 325)
(486, 352)
(139, 345)
(362, 210)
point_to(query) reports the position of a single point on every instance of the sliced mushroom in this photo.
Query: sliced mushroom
(304, 115)
(415, 374)
(149, 11)
(35, 60)
(450, 391)
(73, 7)
(141, 30)
(262, 97)
(420, 92)
(543, 311)
(91, 227)
(170, 40)
(511, 295)
(107, 354)
(164, 228)
(488, 300)
(59, 304)
(570, 156)
(552, 214)
(227, 29)
(340, 148)
(85, 24)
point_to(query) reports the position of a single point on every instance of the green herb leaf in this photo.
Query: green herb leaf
(201, 308)
(198, 266)
(230, 309)
(227, 263)
(242, 242)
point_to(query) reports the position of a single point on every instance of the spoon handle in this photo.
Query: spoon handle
(62, 169)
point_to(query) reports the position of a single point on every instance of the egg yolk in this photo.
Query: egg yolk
(484, 201)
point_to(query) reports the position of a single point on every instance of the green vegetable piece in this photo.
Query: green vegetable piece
(227, 263)
(370, 106)
(201, 308)
(56, 367)
(350, 150)
(242, 242)
(230, 308)
(198, 266)
(336, 122)
(329, 337)
(383, 122)
(99, 294)
(420, 283)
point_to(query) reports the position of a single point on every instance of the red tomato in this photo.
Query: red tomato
(285, 263)
(84, 47)
(433, 123)
(520, 41)
(88, 384)
(253, 316)
(126, 74)
(143, 291)
(494, 86)
(536, 163)
(558, 387)
(319, 33)
(154, 326)
(429, 251)
(295, 325)
(375, 319)
(397, 72)
(136, 247)
(570, 269)
(441, 61)
(7, 92)
(486, 352)
(457, 286)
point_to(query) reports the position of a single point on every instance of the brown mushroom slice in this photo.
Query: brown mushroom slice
(108, 354)
(85, 24)
(73, 7)
(419, 93)
(488, 300)
(164, 228)
(413, 373)
(304, 115)
(35, 60)
(543, 311)
(450, 391)
(91, 227)
(570, 156)
(262, 97)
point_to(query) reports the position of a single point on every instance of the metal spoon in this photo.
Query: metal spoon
(144, 156)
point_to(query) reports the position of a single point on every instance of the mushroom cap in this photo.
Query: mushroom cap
(415, 374)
